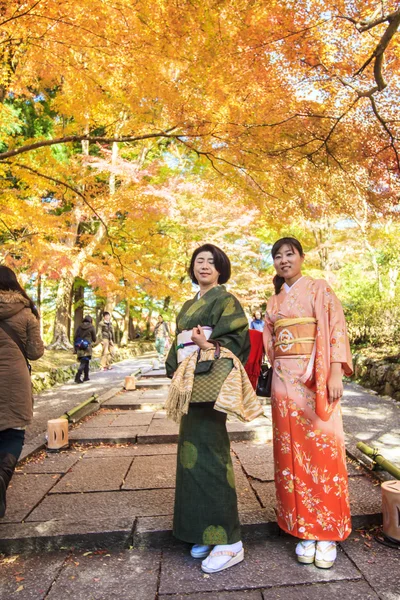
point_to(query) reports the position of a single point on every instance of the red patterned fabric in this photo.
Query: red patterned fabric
(253, 365)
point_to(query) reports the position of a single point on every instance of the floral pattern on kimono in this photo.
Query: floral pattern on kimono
(309, 451)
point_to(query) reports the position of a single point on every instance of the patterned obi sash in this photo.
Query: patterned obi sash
(294, 337)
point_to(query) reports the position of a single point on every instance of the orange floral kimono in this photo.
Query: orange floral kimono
(305, 331)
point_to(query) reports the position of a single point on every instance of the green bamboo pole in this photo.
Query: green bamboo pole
(74, 410)
(380, 460)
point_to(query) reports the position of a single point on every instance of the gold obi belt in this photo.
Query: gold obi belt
(294, 337)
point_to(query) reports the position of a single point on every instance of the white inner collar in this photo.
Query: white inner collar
(289, 287)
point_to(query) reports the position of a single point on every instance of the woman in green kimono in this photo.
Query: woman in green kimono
(206, 511)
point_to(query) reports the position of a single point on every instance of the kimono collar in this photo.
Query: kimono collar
(287, 287)
(211, 292)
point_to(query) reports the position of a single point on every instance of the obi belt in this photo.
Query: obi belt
(295, 337)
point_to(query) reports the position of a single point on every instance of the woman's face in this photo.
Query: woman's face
(204, 269)
(257, 315)
(288, 262)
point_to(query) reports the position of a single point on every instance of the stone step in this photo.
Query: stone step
(146, 428)
(119, 496)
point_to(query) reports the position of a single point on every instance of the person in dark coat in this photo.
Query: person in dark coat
(85, 337)
(19, 314)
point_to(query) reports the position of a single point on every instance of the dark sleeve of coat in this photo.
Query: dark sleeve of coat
(34, 344)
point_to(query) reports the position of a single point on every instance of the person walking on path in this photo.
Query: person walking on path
(106, 336)
(306, 341)
(85, 337)
(257, 323)
(212, 323)
(20, 341)
(161, 334)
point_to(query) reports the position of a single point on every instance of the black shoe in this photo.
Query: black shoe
(8, 463)
(78, 381)
(86, 379)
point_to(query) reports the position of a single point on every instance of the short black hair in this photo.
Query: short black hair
(221, 262)
(105, 313)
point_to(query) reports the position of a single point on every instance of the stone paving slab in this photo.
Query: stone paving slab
(107, 434)
(266, 493)
(267, 564)
(24, 492)
(157, 531)
(51, 463)
(353, 590)
(125, 575)
(53, 535)
(159, 382)
(160, 414)
(137, 450)
(373, 559)
(127, 418)
(133, 419)
(242, 595)
(257, 459)
(100, 420)
(156, 393)
(246, 498)
(365, 496)
(150, 404)
(29, 578)
(100, 505)
(98, 475)
(149, 472)
(373, 419)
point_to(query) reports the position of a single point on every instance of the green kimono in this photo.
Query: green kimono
(205, 495)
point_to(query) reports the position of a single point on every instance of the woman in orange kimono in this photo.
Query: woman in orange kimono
(306, 341)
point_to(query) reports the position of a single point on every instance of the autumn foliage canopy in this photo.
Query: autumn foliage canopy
(131, 131)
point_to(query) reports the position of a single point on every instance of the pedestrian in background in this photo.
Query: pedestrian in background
(85, 337)
(257, 323)
(161, 334)
(19, 341)
(106, 336)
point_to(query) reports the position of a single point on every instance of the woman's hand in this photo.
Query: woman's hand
(335, 383)
(200, 339)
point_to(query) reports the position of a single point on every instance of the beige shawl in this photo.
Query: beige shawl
(237, 396)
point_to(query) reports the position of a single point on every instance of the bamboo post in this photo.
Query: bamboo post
(380, 460)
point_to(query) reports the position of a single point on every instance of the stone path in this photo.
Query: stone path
(372, 419)
(102, 512)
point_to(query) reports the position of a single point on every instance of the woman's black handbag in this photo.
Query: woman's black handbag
(264, 383)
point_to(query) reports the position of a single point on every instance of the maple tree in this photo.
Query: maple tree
(128, 133)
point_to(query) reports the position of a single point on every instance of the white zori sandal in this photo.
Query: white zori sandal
(200, 550)
(223, 557)
(305, 551)
(325, 554)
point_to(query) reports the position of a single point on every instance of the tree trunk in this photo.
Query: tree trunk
(62, 317)
(125, 334)
(39, 301)
(110, 303)
(393, 277)
(148, 325)
(79, 302)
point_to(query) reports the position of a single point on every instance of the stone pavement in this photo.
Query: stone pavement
(102, 511)
(372, 419)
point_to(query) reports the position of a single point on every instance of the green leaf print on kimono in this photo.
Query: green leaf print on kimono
(188, 455)
(230, 475)
(215, 535)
